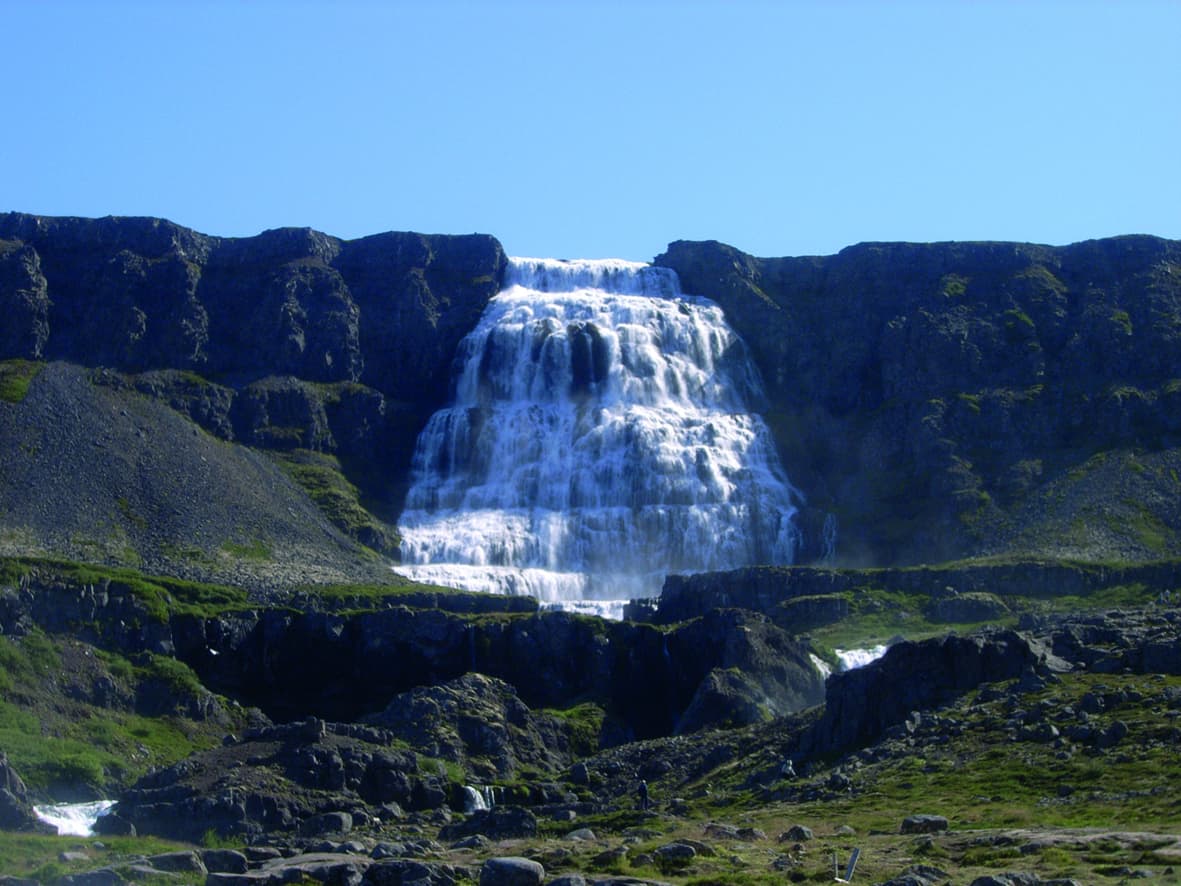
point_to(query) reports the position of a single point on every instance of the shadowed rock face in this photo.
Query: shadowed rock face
(282, 778)
(770, 589)
(861, 704)
(343, 665)
(16, 812)
(651, 678)
(141, 293)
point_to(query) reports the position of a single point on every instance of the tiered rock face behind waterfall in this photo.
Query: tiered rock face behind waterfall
(601, 437)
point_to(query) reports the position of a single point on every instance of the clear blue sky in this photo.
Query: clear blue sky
(601, 129)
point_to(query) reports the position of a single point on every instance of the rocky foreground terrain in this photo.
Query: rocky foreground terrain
(1041, 752)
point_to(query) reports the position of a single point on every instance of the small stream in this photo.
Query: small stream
(73, 819)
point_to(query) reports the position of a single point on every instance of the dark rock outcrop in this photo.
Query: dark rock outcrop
(142, 293)
(923, 823)
(1116, 641)
(498, 823)
(757, 671)
(310, 777)
(862, 704)
(550, 658)
(511, 871)
(24, 302)
(362, 659)
(16, 810)
(771, 589)
(480, 723)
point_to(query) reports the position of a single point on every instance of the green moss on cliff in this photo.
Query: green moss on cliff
(15, 378)
(584, 724)
(161, 596)
(321, 476)
(1123, 320)
(65, 737)
(953, 285)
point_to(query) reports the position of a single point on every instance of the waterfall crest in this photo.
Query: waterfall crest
(600, 437)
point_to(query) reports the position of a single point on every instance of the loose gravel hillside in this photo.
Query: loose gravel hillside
(92, 473)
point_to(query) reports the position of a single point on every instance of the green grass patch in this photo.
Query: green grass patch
(161, 596)
(972, 401)
(257, 550)
(1113, 597)
(47, 760)
(322, 478)
(178, 676)
(446, 769)
(129, 514)
(38, 856)
(986, 780)
(61, 742)
(15, 378)
(1016, 316)
(1150, 531)
(584, 724)
(29, 657)
(953, 285)
(876, 616)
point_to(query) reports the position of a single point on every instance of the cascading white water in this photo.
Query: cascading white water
(73, 819)
(600, 438)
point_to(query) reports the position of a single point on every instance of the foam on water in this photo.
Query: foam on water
(600, 438)
(73, 819)
(859, 658)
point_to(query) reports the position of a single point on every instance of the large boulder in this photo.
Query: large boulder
(511, 871)
(742, 669)
(480, 723)
(311, 778)
(497, 823)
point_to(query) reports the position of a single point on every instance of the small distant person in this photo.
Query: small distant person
(642, 793)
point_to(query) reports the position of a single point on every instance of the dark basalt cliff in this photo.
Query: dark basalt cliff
(290, 341)
(929, 401)
(377, 318)
(953, 399)
(139, 293)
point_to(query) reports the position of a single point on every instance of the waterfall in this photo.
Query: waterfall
(600, 437)
(476, 799)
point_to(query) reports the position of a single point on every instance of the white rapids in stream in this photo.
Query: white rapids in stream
(73, 819)
(600, 438)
